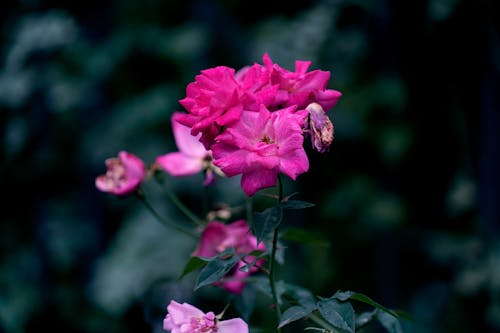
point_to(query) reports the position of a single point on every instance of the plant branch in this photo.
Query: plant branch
(272, 280)
(183, 208)
(161, 219)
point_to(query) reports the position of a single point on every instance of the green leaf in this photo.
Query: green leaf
(257, 253)
(294, 313)
(193, 264)
(390, 322)
(302, 236)
(249, 265)
(246, 301)
(339, 314)
(217, 268)
(365, 299)
(345, 295)
(295, 204)
(264, 223)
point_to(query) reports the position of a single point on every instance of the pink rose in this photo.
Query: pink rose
(192, 156)
(217, 237)
(262, 145)
(124, 174)
(185, 318)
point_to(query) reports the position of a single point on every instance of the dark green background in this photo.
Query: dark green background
(408, 195)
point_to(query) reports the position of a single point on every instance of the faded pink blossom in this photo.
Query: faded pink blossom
(186, 318)
(192, 156)
(320, 128)
(262, 145)
(124, 175)
(218, 237)
(300, 87)
(212, 101)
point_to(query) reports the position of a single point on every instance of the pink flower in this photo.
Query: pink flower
(124, 174)
(261, 145)
(217, 237)
(185, 318)
(212, 101)
(192, 156)
(300, 88)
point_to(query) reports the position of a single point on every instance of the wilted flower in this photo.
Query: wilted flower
(320, 128)
(124, 174)
(218, 237)
(186, 318)
(262, 145)
(192, 156)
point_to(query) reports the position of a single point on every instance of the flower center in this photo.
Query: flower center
(116, 173)
(267, 140)
(205, 324)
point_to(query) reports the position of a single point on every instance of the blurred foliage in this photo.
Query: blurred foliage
(408, 196)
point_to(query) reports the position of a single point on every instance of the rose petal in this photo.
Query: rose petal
(236, 325)
(178, 164)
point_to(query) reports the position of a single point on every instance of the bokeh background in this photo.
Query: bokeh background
(408, 195)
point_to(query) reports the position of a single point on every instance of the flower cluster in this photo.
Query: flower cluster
(254, 120)
(253, 123)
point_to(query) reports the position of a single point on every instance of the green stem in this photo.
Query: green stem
(272, 280)
(183, 208)
(162, 220)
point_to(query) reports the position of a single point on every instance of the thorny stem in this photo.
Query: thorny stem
(165, 222)
(272, 281)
